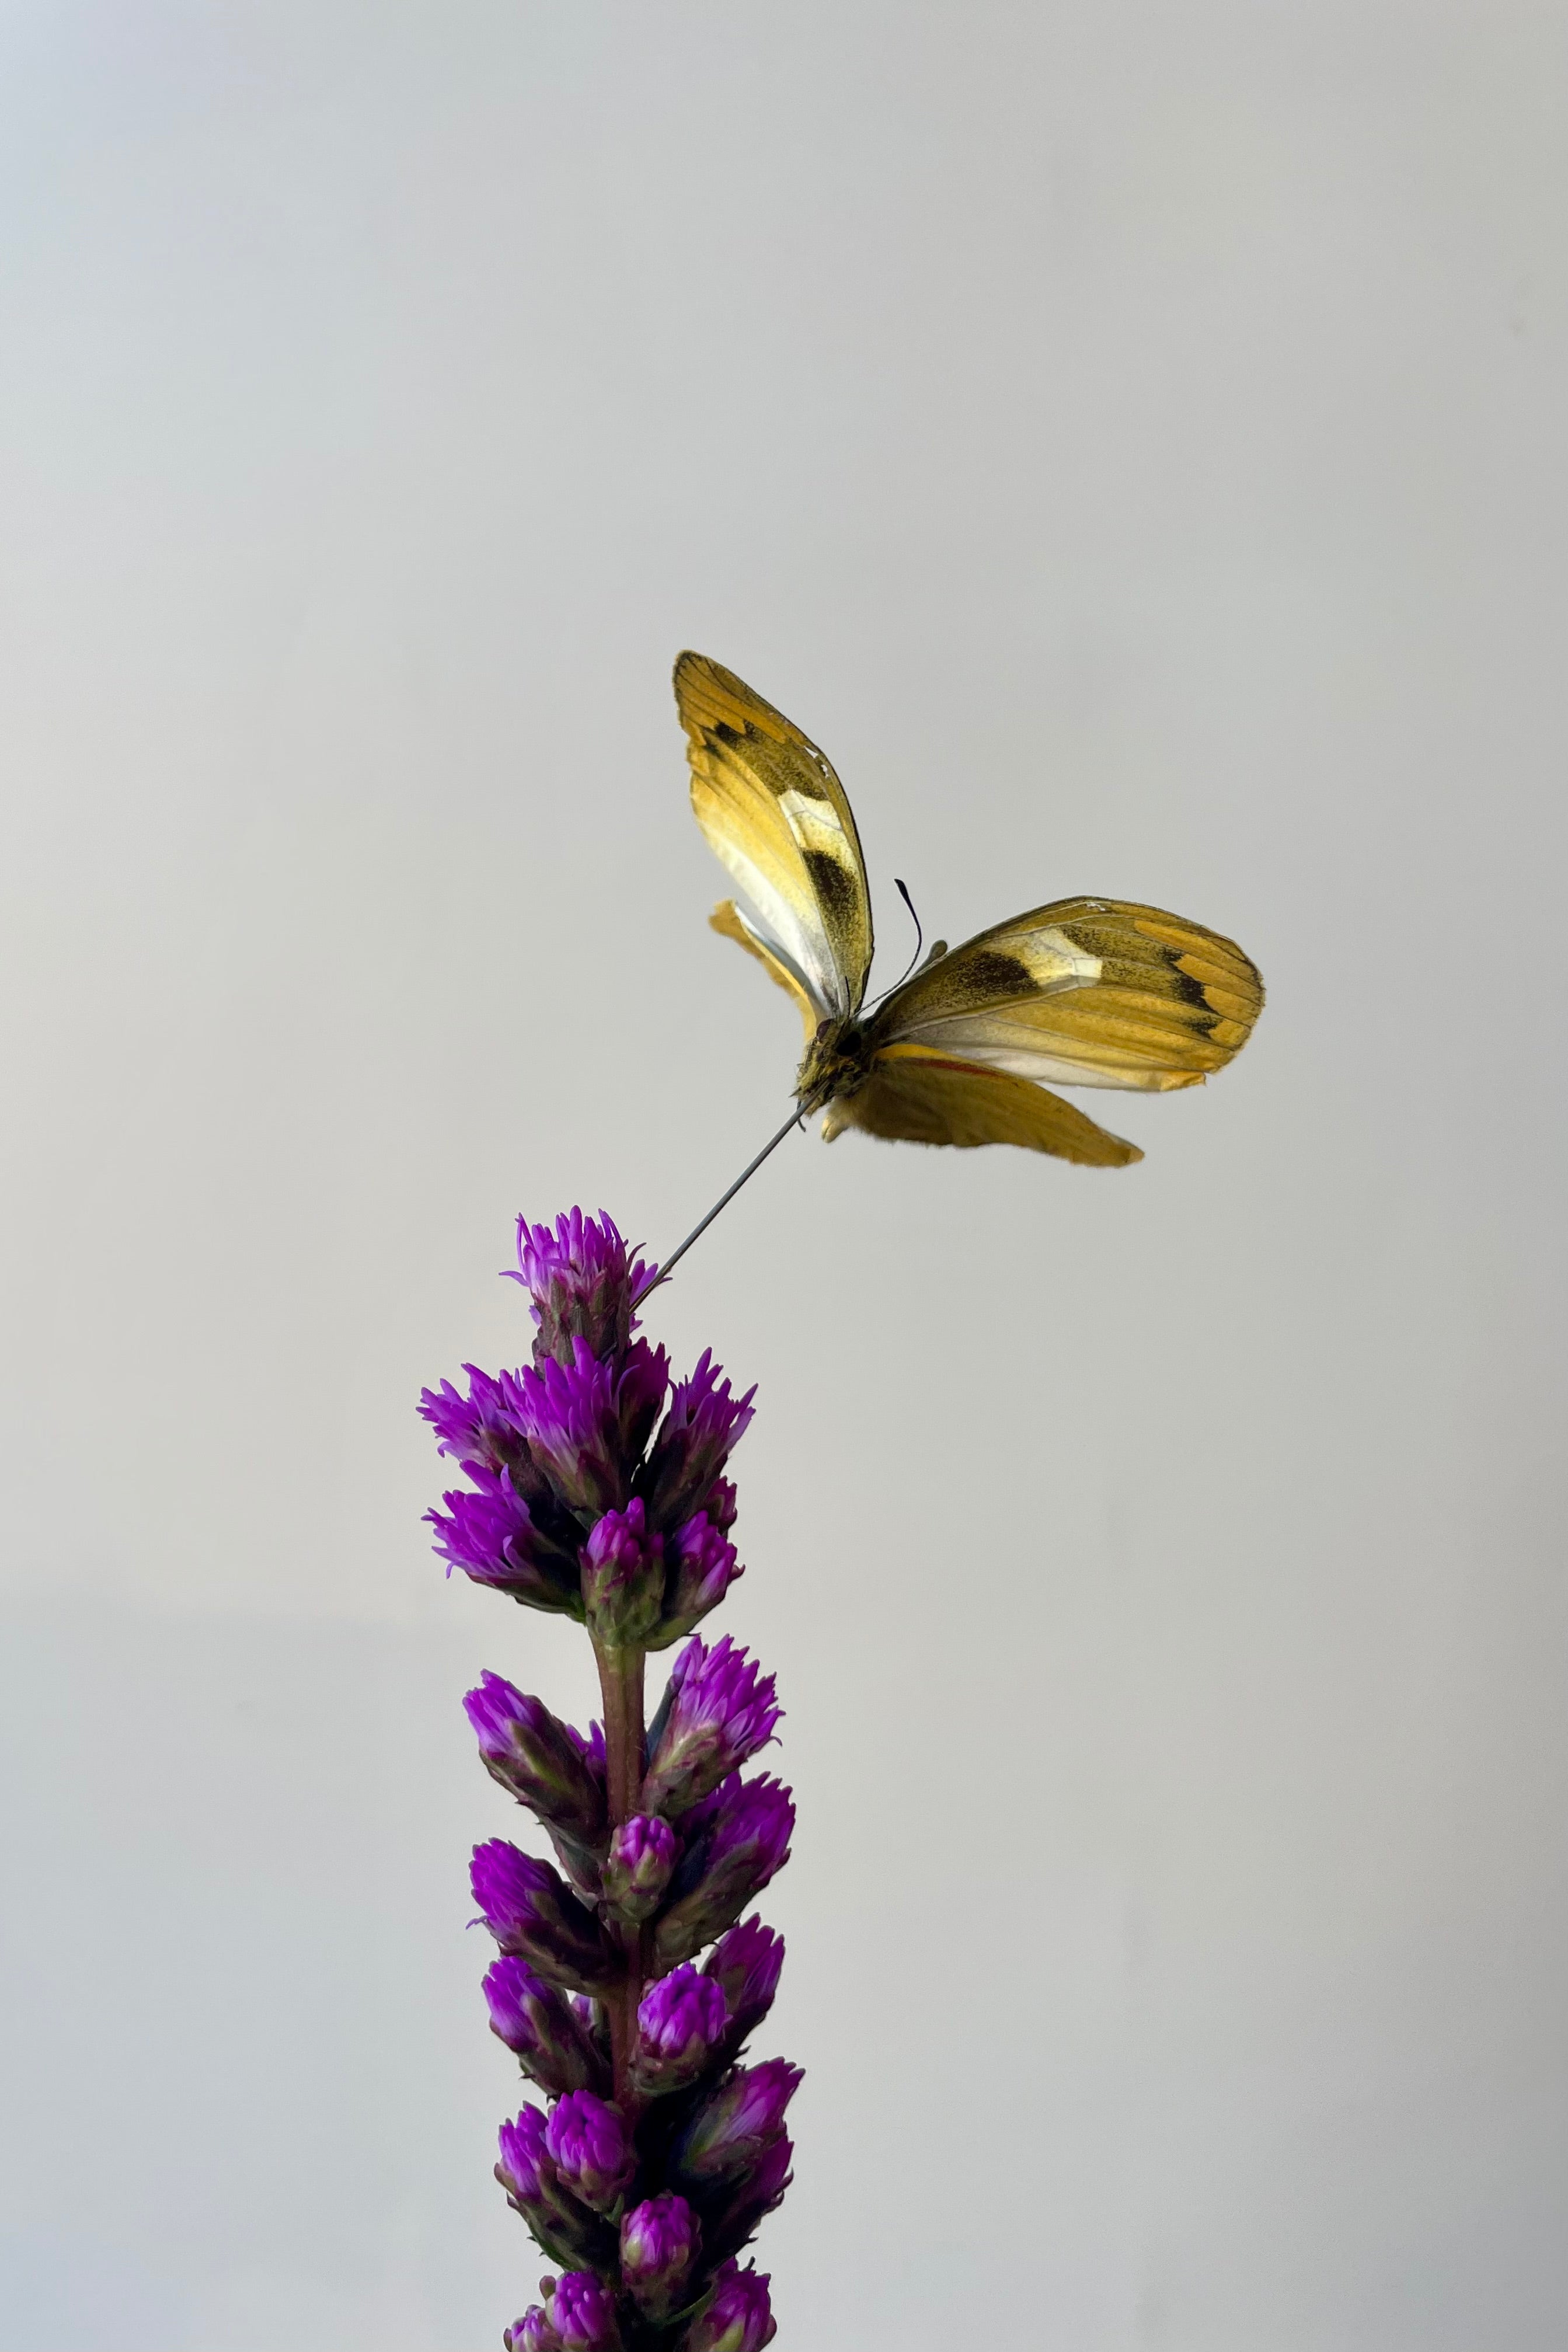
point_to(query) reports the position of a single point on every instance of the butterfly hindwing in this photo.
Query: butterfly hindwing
(777, 817)
(916, 1097)
(731, 924)
(1087, 993)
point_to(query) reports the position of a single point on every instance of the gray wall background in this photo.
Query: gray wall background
(1131, 440)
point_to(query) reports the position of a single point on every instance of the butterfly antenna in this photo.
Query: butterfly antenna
(903, 889)
(795, 1119)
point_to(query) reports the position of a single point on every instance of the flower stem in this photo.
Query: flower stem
(621, 1685)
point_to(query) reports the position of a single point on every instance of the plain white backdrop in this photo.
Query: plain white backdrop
(1133, 441)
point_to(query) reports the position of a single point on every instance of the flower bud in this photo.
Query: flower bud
(738, 2317)
(567, 2234)
(736, 2123)
(735, 1841)
(736, 2215)
(494, 1538)
(720, 1504)
(532, 2017)
(582, 2314)
(538, 1760)
(534, 1916)
(719, 1709)
(704, 1566)
(531, 2332)
(623, 1577)
(524, 2163)
(703, 1424)
(660, 2240)
(591, 2149)
(637, 1868)
(746, 1963)
(681, 2023)
(581, 1283)
(586, 1422)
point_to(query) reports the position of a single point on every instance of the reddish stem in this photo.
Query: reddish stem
(621, 1685)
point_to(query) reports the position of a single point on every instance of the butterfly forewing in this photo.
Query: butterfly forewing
(1086, 992)
(776, 815)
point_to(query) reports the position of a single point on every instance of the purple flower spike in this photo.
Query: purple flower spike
(682, 2021)
(623, 1578)
(739, 2122)
(534, 1916)
(703, 1566)
(545, 2030)
(637, 1868)
(746, 1963)
(740, 2317)
(581, 1284)
(591, 2149)
(735, 1841)
(700, 1430)
(531, 2332)
(660, 2240)
(581, 1501)
(586, 1422)
(493, 1536)
(718, 1711)
(582, 2314)
(538, 1760)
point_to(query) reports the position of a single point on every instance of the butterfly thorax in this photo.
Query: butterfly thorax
(838, 1062)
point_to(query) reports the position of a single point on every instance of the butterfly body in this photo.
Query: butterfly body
(1082, 992)
(837, 1063)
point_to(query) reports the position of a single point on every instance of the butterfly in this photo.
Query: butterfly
(964, 1051)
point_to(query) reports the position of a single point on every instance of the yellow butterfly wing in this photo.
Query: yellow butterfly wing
(1085, 993)
(915, 1095)
(776, 816)
(731, 924)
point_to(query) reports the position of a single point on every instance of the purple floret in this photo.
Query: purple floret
(703, 1426)
(582, 2314)
(747, 1963)
(683, 2021)
(637, 1868)
(623, 1576)
(720, 1709)
(660, 2240)
(702, 1567)
(740, 2316)
(531, 2332)
(682, 2008)
(534, 1916)
(582, 1283)
(591, 2149)
(586, 1422)
(491, 1535)
(736, 1840)
(738, 2123)
(524, 2164)
(477, 1430)
(541, 2025)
